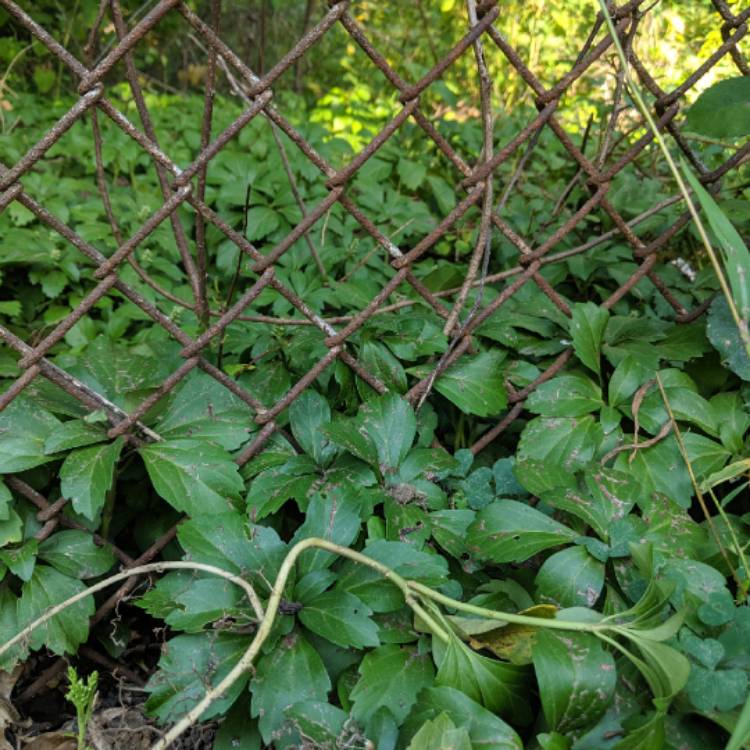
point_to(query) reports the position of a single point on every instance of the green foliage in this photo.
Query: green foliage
(82, 694)
(582, 511)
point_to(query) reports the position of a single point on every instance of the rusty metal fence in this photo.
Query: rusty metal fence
(185, 186)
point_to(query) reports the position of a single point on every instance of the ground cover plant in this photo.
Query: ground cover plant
(501, 504)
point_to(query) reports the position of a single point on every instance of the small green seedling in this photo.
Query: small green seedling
(82, 694)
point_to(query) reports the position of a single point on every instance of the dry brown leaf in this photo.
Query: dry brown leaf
(51, 741)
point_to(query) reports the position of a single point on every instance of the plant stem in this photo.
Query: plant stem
(644, 110)
(158, 567)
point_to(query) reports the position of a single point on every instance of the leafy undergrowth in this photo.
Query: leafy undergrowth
(583, 512)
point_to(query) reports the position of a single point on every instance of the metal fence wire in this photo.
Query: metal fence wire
(184, 186)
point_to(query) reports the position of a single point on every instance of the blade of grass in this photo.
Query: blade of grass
(741, 585)
(644, 110)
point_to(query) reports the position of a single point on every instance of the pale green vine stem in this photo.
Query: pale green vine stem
(158, 567)
(411, 591)
(644, 110)
(407, 588)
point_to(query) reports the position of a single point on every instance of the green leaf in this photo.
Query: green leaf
(75, 433)
(64, 632)
(498, 686)
(390, 425)
(261, 222)
(193, 476)
(318, 722)
(666, 669)
(203, 601)
(390, 676)
(735, 254)
(334, 516)
(231, 543)
(741, 733)
(570, 578)
(6, 498)
(441, 733)
(412, 173)
(188, 666)
(723, 333)
(308, 415)
(570, 395)
(404, 559)
(11, 528)
(568, 442)
(237, 730)
(660, 468)
(628, 376)
(274, 486)
(87, 475)
(444, 194)
(475, 384)
(587, 325)
(341, 618)
(21, 560)
(510, 531)
(576, 678)
(24, 428)
(293, 672)
(487, 731)
(377, 358)
(203, 409)
(602, 498)
(75, 554)
(722, 110)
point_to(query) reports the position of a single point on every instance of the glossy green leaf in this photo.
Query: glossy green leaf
(441, 733)
(334, 516)
(308, 415)
(24, 429)
(568, 442)
(570, 578)
(576, 678)
(487, 731)
(75, 433)
(723, 334)
(229, 542)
